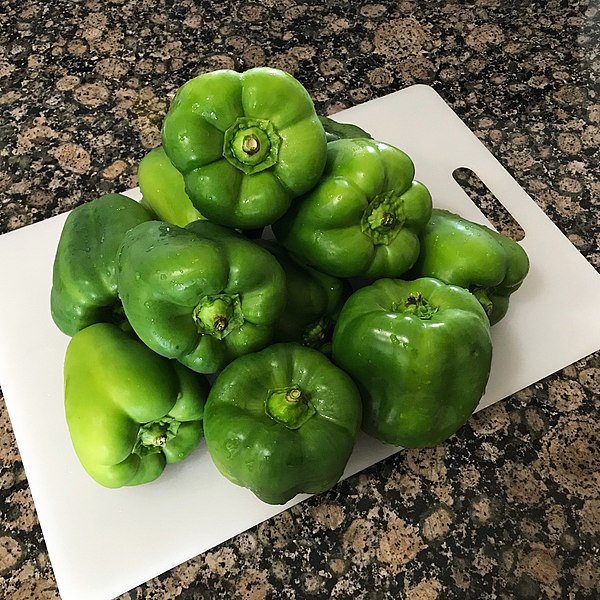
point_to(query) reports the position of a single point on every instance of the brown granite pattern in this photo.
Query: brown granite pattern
(510, 506)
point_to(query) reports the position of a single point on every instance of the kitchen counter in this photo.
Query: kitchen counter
(509, 507)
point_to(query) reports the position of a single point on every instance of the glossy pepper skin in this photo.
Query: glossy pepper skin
(420, 352)
(313, 301)
(202, 294)
(129, 411)
(163, 190)
(84, 277)
(457, 251)
(246, 143)
(282, 421)
(364, 216)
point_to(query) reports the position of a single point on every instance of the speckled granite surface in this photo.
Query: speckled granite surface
(510, 506)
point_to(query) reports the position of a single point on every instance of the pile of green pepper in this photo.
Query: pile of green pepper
(370, 309)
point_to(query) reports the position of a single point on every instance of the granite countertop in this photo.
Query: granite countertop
(509, 507)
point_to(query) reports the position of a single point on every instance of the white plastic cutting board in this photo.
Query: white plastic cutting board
(104, 542)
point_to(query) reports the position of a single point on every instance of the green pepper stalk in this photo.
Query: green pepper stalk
(289, 406)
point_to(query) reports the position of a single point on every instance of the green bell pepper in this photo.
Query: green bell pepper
(202, 294)
(341, 131)
(163, 190)
(457, 251)
(246, 144)
(129, 411)
(314, 300)
(364, 216)
(420, 352)
(84, 278)
(282, 421)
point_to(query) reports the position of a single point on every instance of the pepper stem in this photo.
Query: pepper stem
(250, 144)
(218, 315)
(482, 295)
(293, 395)
(416, 305)
(220, 323)
(383, 218)
(315, 334)
(289, 406)
(388, 220)
(153, 436)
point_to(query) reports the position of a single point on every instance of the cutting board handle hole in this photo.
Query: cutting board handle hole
(488, 204)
